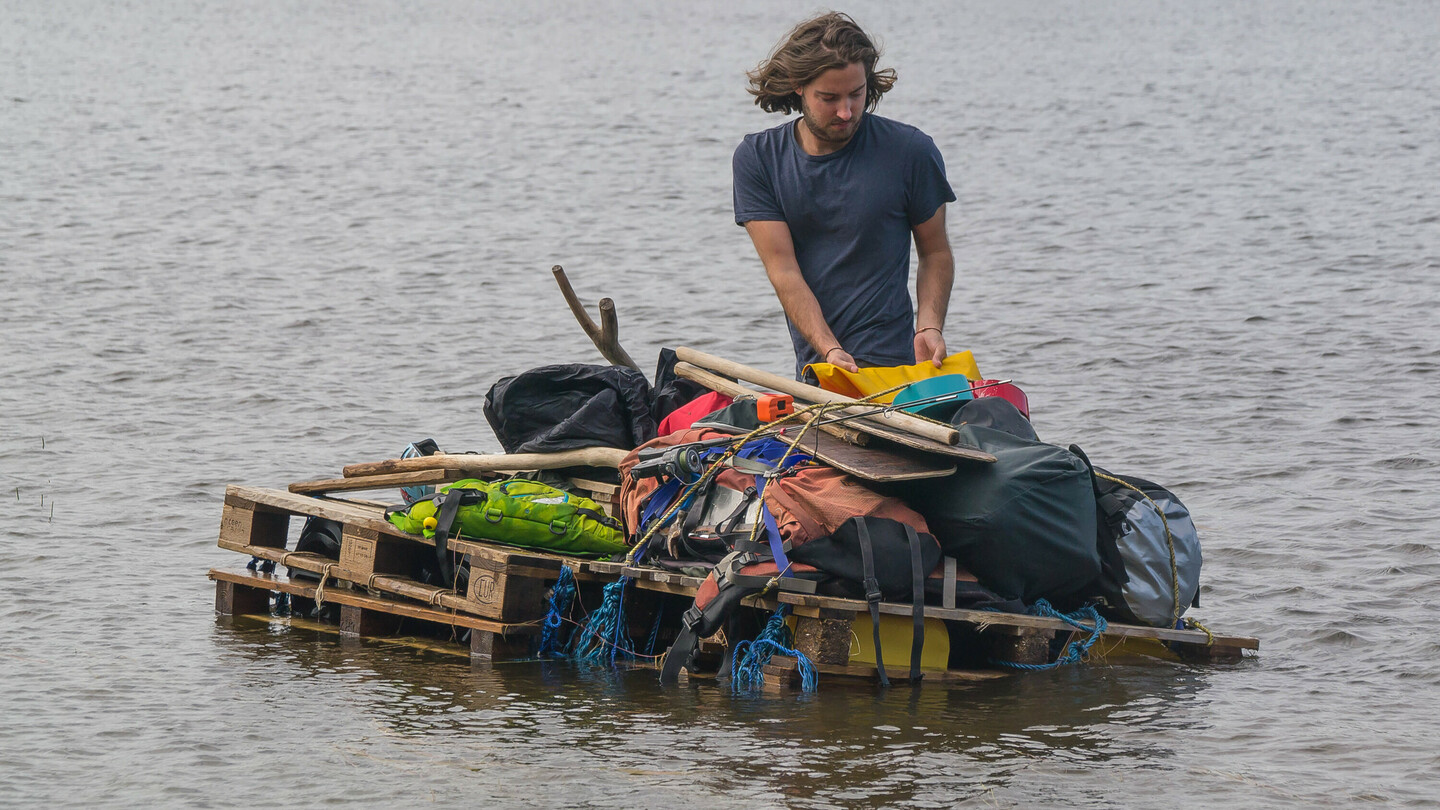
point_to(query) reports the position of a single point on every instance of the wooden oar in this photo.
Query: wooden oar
(870, 462)
(503, 462)
(850, 462)
(733, 389)
(363, 482)
(895, 421)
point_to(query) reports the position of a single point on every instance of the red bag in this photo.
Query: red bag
(1006, 391)
(684, 416)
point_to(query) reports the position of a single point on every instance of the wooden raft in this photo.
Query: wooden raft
(505, 603)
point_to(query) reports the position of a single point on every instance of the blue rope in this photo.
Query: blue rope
(748, 663)
(655, 630)
(561, 597)
(1075, 651)
(603, 638)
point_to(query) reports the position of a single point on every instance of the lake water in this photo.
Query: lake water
(253, 242)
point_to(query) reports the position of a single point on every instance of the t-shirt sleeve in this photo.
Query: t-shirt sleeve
(928, 187)
(754, 194)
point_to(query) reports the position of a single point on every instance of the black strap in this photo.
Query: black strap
(872, 592)
(450, 504)
(917, 610)
(731, 521)
(678, 657)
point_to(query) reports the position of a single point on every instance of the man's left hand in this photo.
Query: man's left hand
(930, 345)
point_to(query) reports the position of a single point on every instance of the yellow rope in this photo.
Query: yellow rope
(1194, 624)
(1169, 541)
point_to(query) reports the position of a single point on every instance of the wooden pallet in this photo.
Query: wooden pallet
(507, 597)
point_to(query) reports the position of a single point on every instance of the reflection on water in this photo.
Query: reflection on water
(847, 743)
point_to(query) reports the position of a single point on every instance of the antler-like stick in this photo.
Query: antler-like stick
(606, 336)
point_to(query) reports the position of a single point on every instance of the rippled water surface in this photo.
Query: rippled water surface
(252, 242)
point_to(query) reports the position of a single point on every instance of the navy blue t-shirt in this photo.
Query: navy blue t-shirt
(850, 215)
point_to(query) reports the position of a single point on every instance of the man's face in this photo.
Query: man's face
(833, 104)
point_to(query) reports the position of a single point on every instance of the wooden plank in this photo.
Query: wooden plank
(887, 432)
(392, 584)
(373, 518)
(500, 591)
(236, 600)
(824, 639)
(730, 388)
(911, 424)
(488, 646)
(872, 463)
(341, 596)
(357, 621)
(607, 457)
(407, 479)
(597, 487)
(808, 604)
(250, 524)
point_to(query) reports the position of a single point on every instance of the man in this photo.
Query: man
(831, 201)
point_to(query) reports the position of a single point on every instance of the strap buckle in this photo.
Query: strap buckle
(872, 589)
(691, 618)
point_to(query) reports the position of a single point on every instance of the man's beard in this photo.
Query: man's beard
(824, 133)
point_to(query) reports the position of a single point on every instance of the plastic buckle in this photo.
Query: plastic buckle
(872, 589)
(692, 617)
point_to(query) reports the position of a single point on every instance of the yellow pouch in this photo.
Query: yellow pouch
(866, 381)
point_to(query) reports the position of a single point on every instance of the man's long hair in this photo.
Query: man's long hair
(829, 41)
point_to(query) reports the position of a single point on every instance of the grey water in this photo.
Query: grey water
(253, 242)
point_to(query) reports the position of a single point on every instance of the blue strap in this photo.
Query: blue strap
(772, 531)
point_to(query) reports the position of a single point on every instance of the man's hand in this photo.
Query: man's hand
(841, 359)
(929, 345)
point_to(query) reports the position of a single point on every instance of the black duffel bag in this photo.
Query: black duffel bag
(1024, 525)
(570, 406)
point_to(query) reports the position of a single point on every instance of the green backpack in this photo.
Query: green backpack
(515, 511)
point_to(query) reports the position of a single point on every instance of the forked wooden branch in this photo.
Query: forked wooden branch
(606, 336)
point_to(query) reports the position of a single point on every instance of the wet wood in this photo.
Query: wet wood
(1029, 646)
(825, 639)
(237, 600)
(488, 646)
(605, 457)
(807, 604)
(606, 336)
(395, 480)
(357, 621)
(341, 596)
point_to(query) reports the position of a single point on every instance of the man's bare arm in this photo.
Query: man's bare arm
(933, 280)
(777, 252)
